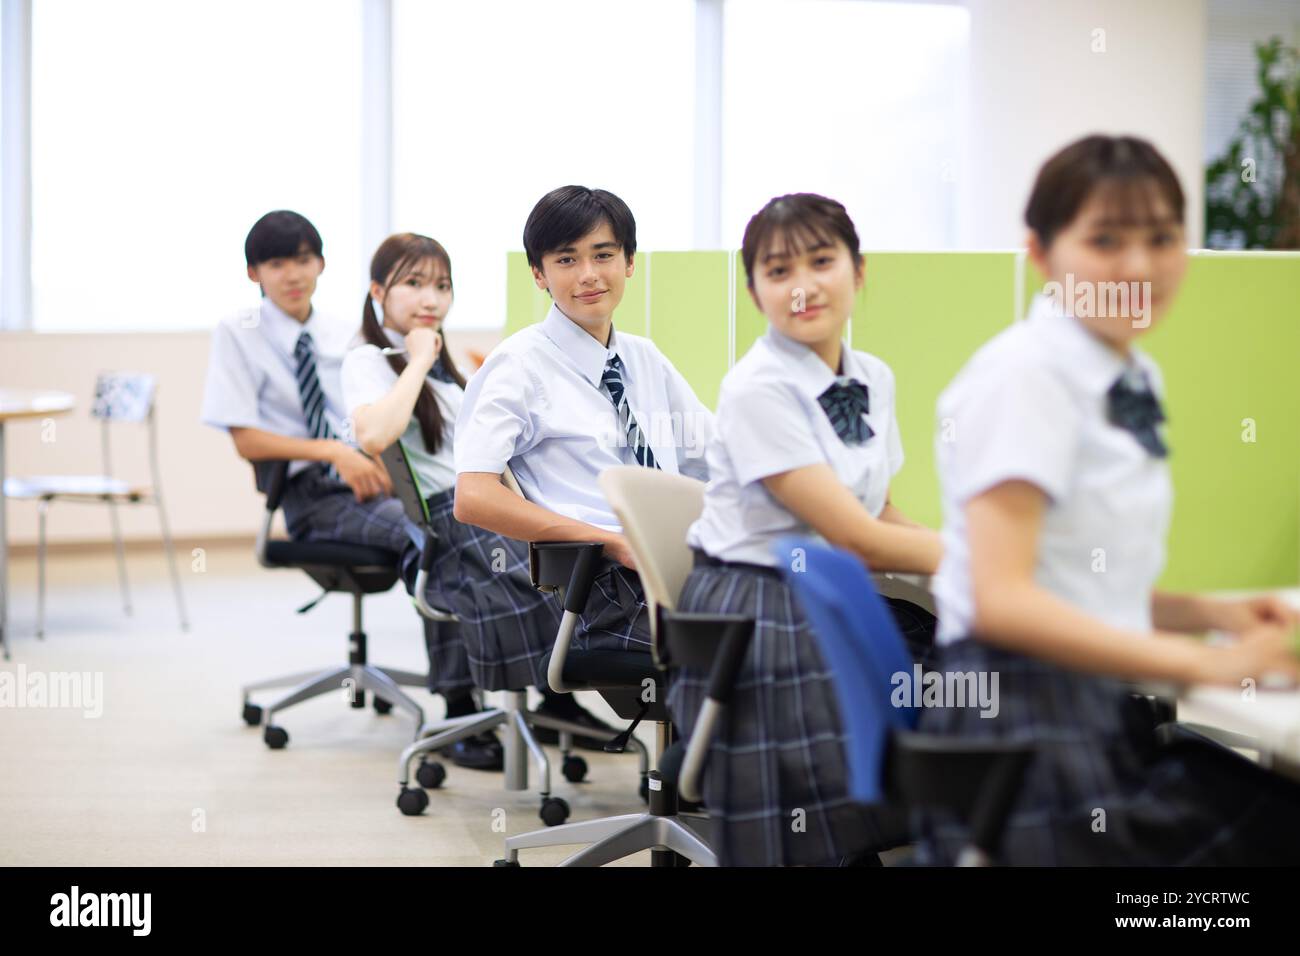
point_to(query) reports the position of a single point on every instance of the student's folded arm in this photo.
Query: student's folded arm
(1186, 613)
(1014, 612)
(482, 500)
(381, 421)
(816, 496)
(254, 444)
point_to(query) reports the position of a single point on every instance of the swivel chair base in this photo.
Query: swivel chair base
(664, 831)
(519, 744)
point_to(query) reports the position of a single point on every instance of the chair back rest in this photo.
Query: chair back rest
(863, 649)
(123, 396)
(406, 485)
(656, 510)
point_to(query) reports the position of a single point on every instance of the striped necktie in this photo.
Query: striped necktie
(846, 404)
(309, 390)
(312, 395)
(612, 379)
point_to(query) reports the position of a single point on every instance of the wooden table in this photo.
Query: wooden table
(18, 403)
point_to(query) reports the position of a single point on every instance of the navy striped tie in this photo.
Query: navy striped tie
(612, 379)
(846, 403)
(312, 395)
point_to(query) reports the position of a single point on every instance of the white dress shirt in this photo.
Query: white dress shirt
(1031, 405)
(537, 405)
(367, 377)
(769, 422)
(252, 373)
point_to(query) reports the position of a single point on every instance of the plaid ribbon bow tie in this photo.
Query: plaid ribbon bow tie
(846, 403)
(1132, 406)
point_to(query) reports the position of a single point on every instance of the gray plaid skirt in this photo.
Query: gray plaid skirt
(777, 779)
(506, 624)
(1101, 789)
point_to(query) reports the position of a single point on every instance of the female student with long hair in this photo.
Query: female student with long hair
(413, 395)
(1055, 480)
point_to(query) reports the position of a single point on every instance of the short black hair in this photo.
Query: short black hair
(565, 215)
(280, 235)
(796, 222)
(1128, 173)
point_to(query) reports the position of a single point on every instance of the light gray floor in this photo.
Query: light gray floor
(168, 774)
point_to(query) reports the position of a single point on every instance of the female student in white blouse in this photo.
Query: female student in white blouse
(806, 443)
(1056, 491)
(414, 396)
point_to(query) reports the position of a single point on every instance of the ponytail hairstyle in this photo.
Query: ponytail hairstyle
(396, 258)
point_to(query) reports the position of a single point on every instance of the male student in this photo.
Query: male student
(561, 401)
(273, 383)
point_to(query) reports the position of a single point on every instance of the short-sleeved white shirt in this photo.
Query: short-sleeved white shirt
(769, 421)
(537, 405)
(1031, 404)
(252, 373)
(367, 377)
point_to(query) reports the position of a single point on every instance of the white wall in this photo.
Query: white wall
(209, 488)
(1036, 84)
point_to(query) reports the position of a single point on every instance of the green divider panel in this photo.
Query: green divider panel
(1229, 348)
(526, 304)
(925, 314)
(689, 301)
(750, 323)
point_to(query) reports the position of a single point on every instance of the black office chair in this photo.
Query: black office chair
(336, 566)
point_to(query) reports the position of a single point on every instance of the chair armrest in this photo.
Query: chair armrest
(912, 588)
(683, 631)
(570, 565)
(427, 552)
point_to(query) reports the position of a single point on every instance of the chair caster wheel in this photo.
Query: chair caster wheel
(505, 862)
(252, 715)
(382, 706)
(644, 790)
(574, 769)
(412, 801)
(554, 811)
(430, 775)
(275, 737)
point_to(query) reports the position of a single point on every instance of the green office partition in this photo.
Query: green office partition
(690, 300)
(1229, 349)
(925, 314)
(750, 323)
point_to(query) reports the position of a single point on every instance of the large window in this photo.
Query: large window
(162, 130)
(859, 101)
(498, 101)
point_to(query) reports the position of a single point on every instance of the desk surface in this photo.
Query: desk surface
(33, 403)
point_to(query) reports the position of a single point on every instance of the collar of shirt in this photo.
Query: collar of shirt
(284, 329)
(586, 355)
(813, 376)
(1093, 363)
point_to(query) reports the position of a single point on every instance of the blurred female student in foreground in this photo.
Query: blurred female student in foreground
(1056, 492)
